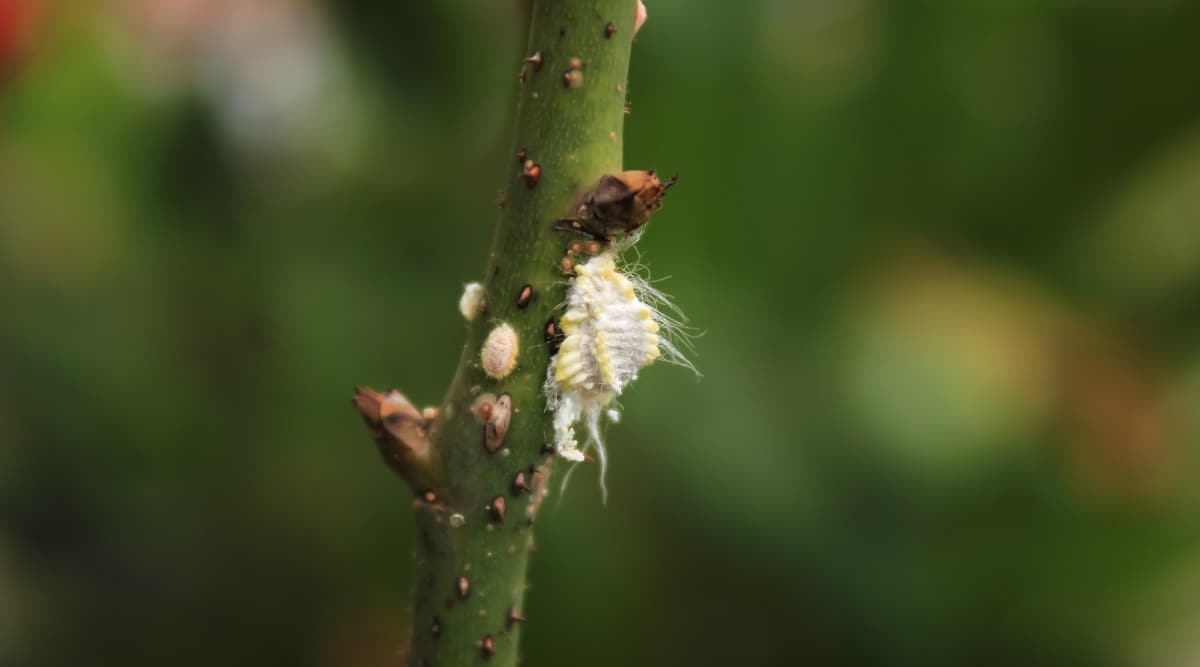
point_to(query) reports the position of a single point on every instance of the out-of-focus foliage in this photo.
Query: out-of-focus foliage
(945, 255)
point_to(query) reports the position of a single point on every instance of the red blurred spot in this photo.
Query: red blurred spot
(15, 22)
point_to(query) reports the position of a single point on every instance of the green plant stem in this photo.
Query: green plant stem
(573, 134)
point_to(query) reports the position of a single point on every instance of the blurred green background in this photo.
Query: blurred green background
(945, 253)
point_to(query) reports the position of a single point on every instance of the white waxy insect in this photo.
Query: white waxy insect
(471, 303)
(610, 334)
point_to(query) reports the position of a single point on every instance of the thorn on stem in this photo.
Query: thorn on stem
(513, 617)
(519, 484)
(483, 406)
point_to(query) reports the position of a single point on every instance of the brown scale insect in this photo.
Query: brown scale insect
(609, 30)
(535, 60)
(617, 206)
(532, 173)
(436, 628)
(487, 647)
(521, 155)
(525, 296)
(553, 336)
(513, 617)
(462, 587)
(497, 509)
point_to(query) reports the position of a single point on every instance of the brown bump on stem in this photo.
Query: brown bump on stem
(436, 627)
(552, 336)
(572, 78)
(575, 247)
(532, 173)
(535, 60)
(575, 63)
(519, 484)
(609, 30)
(462, 588)
(525, 296)
(593, 247)
(612, 136)
(497, 426)
(567, 265)
(521, 155)
(513, 617)
(482, 408)
(487, 647)
(429, 497)
(497, 509)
